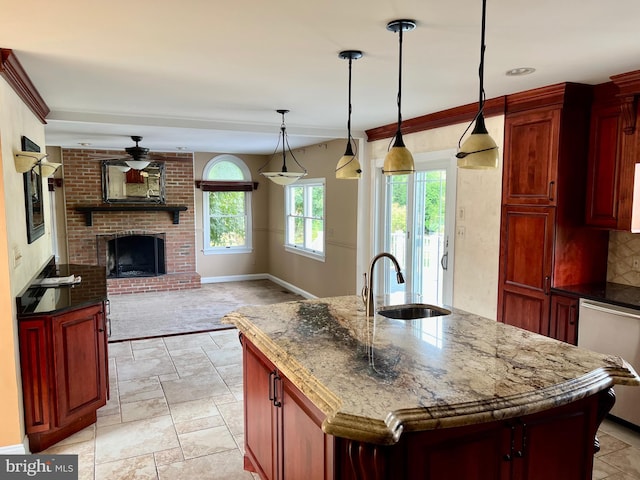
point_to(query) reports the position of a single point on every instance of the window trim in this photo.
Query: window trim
(301, 250)
(246, 173)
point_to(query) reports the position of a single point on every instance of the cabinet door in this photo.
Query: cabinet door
(259, 418)
(564, 319)
(305, 448)
(531, 157)
(34, 354)
(526, 255)
(604, 163)
(80, 369)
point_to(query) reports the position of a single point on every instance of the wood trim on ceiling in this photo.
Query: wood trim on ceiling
(443, 118)
(11, 70)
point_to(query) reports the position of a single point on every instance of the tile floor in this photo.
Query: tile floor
(176, 413)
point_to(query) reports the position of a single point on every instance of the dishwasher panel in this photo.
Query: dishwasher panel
(613, 330)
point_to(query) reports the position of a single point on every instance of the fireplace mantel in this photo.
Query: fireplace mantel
(89, 209)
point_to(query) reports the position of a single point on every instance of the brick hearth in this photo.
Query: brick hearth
(83, 186)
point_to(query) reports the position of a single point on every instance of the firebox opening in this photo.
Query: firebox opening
(133, 255)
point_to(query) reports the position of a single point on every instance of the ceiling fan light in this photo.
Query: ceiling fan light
(123, 168)
(138, 164)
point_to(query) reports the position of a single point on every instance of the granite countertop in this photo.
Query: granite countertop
(438, 372)
(37, 300)
(612, 293)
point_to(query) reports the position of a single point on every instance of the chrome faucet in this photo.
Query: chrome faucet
(367, 290)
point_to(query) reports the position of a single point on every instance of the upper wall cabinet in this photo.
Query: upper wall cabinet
(613, 155)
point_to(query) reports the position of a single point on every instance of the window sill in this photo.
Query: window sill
(226, 251)
(305, 253)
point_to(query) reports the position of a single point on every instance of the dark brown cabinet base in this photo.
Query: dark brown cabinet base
(284, 440)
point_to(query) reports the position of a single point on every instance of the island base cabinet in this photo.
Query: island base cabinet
(283, 433)
(556, 444)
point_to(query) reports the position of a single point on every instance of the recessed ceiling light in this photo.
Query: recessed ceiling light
(518, 72)
(84, 144)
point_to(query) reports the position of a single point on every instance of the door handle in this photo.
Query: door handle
(444, 261)
(272, 397)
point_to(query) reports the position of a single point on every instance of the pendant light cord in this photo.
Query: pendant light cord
(349, 116)
(400, 80)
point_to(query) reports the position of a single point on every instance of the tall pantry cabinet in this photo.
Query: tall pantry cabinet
(543, 240)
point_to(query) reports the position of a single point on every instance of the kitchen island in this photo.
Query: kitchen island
(331, 394)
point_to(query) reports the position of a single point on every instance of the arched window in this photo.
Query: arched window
(227, 211)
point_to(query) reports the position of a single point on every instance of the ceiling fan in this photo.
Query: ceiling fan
(137, 157)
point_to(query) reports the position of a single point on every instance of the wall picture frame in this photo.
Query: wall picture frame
(33, 195)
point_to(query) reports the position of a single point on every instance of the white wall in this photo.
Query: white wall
(475, 284)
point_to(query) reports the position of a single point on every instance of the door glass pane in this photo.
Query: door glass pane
(397, 186)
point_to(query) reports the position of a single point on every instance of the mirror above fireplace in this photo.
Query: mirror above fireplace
(123, 184)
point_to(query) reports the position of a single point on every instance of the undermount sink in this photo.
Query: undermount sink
(412, 311)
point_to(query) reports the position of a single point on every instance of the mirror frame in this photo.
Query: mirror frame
(159, 199)
(33, 195)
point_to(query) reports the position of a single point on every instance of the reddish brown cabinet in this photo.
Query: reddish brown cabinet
(543, 238)
(283, 434)
(65, 379)
(564, 318)
(614, 145)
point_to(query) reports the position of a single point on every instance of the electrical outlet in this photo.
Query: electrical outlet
(460, 231)
(636, 264)
(17, 256)
(461, 213)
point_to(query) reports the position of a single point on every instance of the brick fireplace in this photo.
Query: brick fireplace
(83, 187)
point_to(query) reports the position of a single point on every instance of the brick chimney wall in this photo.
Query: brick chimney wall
(83, 187)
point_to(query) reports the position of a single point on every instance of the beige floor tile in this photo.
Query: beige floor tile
(626, 435)
(120, 349)
(231, 374)
(180, 342)
(627, 460)
(165, 457)
(603, 470)
(147, 343)
(105, 420)
(190, 356)
(227, 356)
(205, 442)
(148, 367)
(609, 443)
(193, 388)
(111, 408)
(86, 456)
(142, 409)
(199, 424)
(204, 369)
(136, 468)
(131, 439)
(233, 414)
(221, 466)
(226, 398)
(168, 376)
(226, 339)
(194, 409)
(84, 435)
(140, 389)
(150, 352)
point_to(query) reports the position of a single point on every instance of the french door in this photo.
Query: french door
(417, 220)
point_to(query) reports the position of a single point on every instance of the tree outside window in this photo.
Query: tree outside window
(227, 222)
(305, 217)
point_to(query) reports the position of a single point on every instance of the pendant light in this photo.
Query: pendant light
(399, 160)
(284, 176)
(349, 166)
(479, 151)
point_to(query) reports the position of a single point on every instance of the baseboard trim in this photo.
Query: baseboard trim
(18, 449)
(258, 276)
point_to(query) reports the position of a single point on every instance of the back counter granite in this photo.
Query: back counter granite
(456, 396)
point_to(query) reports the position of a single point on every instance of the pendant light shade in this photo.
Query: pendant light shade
(479, 151)
(284, 176)
(348, 166)
(399, 160)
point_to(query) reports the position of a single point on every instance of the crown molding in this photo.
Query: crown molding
(11, 70)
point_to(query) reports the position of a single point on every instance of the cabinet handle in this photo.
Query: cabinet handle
(547, 284)
(108, 304)
(109, 327)
(552, 184)
(572, 315)
(272, 397)
(276, 402)
(507, 458)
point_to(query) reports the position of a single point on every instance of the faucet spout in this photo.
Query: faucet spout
(368, 295)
